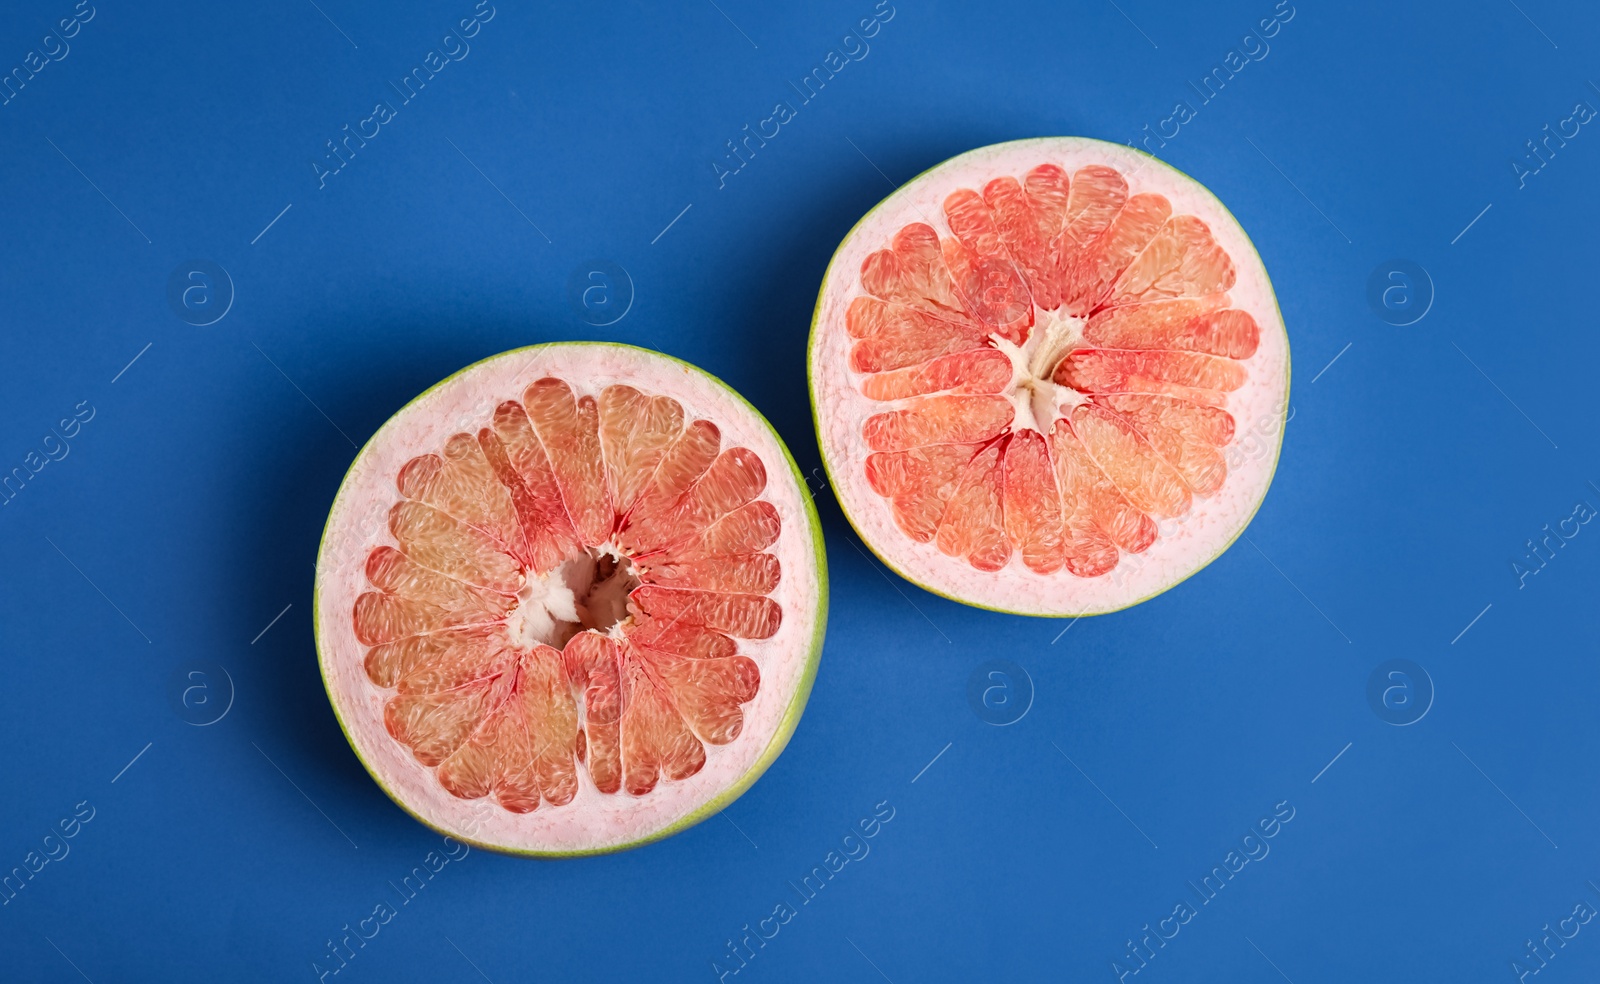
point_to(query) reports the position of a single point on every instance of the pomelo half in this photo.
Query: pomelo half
(1049, 377)
(570, 600)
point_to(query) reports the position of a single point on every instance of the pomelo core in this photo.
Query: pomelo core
(1049, 377)
(570, 600)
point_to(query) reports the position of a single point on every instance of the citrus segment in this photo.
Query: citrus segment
(918, 483)
(1133, 466)
(592, 665)
(681, 465)
(895, 335)
(757, 573)
(1097, 264)
(707, 692)
(414, 600)
(938, 420)
(912, 271)
(1095, 195)
(734, 478)
(655, 741)
(1026, 233)
(461, 483)
(979, 370)
(437, 541)
(1187, 325)
(678, 637)
(1014, 400)
(1032, 504)
(461, 664)
(387, 663)
(569, 430)
(1184, 434)
(1182, 260)
(1098, 512)
(970, 526)
(635, 432)
(614, 575)
(1141, 371)
(521, 465)
(753, 526)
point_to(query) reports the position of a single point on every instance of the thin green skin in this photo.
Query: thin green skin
(786, 726)
(828, 465)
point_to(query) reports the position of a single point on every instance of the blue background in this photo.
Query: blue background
(186, 515)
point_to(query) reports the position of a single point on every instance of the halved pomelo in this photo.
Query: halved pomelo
(1049, 377)
(570, 600)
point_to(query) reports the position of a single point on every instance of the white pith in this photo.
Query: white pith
(554, 606)
(1038, 399)
(592, 821)
(1183, 544)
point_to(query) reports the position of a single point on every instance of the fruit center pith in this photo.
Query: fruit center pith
(1039, 400)
(588, 591)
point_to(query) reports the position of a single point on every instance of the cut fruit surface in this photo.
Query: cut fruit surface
(570, 600)
(1033, 370)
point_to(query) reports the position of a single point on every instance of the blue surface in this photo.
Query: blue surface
(185, 514)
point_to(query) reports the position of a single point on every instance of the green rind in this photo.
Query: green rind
(786, 725)
(816, 419)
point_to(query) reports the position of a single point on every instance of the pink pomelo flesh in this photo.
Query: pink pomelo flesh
(570, 600)
(1035, 369)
